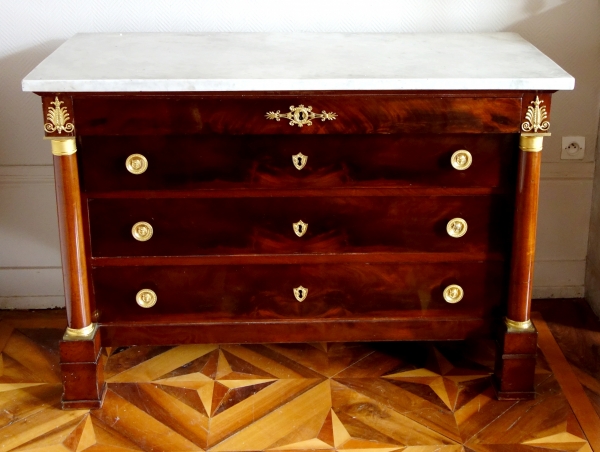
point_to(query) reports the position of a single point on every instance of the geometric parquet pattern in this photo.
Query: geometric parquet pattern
(413, 397)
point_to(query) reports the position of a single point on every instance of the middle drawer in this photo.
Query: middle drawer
(302, 225)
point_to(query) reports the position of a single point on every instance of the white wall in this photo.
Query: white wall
(566, 30)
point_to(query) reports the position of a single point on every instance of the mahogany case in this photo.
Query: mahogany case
(375, 198)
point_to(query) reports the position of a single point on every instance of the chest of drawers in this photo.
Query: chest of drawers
(295, 204)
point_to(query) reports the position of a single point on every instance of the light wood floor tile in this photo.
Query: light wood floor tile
(36, 426)
(63, 438)
(255, 408)
(307, 435)
(140, 427)
(268, 430)
(162, 364)
(122, 359)
(167, 409)
(41, 363)
(107, 439)
(272, 363)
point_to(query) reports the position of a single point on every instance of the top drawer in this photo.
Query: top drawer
(329, 114)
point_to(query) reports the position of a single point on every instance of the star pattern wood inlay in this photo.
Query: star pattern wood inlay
(279, 397)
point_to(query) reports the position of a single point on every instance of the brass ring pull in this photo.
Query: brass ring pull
(457, 227)
(453, 293)
(301, 116)
(300, 228)
(461, 160)
(299, 160)
(300, 293)
(136, 164)
(142, 231)
(146, 298)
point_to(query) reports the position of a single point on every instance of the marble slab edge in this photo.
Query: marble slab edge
(74, 86)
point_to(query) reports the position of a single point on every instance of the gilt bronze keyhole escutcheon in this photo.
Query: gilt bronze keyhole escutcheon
(300, 228)
(299, 160)
(300, 293)
(301, 116)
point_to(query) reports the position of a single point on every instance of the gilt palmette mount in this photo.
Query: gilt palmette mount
(536, 117)
(58, 118)
(301, 115)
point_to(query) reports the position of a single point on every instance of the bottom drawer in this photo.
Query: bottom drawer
(253, 292)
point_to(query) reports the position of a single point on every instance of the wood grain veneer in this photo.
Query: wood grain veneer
(188, 162)
(263, 225)
(72, 238)
(357, 113)
(261, 292)
(378, 189)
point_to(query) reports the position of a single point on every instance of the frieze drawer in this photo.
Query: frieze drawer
(264, 114)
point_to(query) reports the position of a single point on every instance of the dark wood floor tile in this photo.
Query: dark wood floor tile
(372, 366)
(189, 396)
(570, 385)
(479, 412)
(42, 318)
(576, 329)
(329, 362)
(241, 369)
(294, 369)
(362, 403)
(529, 421)
(205, 365)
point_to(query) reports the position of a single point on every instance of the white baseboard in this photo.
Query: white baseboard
(32, 302)
(27, 174)
(558, 292)
(568, 170)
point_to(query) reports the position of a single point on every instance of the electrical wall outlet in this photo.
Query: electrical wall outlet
(573, 148)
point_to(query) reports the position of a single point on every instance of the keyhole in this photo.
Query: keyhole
(299, 161)
(300, 294)
(300, 228)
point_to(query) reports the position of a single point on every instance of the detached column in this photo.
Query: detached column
(517, 342)
(80, 347)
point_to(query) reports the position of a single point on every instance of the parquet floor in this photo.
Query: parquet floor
(413, 397)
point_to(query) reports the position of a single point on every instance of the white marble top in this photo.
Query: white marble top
(136, 62)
